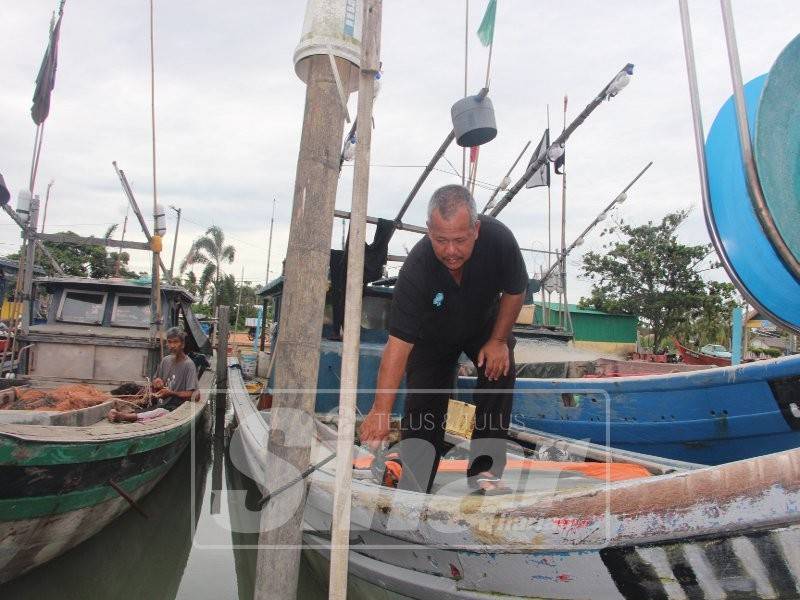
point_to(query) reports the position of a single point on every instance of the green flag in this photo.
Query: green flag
(486, 30)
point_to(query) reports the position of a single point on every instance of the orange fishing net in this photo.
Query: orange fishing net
(66, 397)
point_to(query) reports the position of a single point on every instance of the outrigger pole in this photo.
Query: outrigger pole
(618, 199)
(142, 223)
(609, 91)
(507, 175)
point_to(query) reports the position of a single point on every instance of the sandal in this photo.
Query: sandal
(487, 484)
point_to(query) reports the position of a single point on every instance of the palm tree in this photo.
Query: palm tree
(210, 250)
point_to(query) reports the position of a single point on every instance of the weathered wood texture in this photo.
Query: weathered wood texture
(223, 330)
(30, 255)
(81, 240)
(340, 526)
(297, 347)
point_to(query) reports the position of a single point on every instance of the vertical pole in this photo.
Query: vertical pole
(238, 305)
(567, 319)
(736, 336)
(295, 377)
(156, 328)
(466, 68)
(221, 371)
(46, 202)
(27, 283)
(263, 338)
(549, 226)
(269, 242)
(174, 245)
(340, 529)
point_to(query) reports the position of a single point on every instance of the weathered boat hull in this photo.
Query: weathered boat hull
(731, 531)
(56, 481)
(710, 416)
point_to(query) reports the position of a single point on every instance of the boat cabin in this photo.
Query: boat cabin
(98, 330)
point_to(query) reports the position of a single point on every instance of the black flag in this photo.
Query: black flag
(47, 74)
(542, 176)
(558, 165)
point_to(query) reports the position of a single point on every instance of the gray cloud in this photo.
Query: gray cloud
(229, 109)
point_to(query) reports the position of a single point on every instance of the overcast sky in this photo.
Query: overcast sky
(229, 110)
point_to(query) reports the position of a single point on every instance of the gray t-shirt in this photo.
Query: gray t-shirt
(178, 376)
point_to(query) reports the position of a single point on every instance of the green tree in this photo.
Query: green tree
(83, 261)
(210, 250)
(711, 322)
(648, 273)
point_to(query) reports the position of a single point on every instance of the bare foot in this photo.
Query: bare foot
(112, 415)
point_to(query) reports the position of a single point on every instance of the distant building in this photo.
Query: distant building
(593, 329)
(763, 333)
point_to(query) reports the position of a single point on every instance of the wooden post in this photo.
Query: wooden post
(305, 286)
(223, 326)
(340, 527)
(174, 245)
(30, 253)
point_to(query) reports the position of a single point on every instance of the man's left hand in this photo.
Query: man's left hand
(494, 358)
(163, 392)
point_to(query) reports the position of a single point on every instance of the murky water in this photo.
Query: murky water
(174, 553)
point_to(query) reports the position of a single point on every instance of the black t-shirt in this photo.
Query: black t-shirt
(429, 307)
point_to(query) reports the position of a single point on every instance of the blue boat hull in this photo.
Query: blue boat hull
(711, 416)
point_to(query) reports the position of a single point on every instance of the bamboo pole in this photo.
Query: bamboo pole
(174, 244)
(306, 272)
(27, 282)
(340, 529)
(508, 174)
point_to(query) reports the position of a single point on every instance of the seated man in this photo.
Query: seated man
(175, 382)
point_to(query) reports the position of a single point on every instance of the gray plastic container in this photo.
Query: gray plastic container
(473, 121)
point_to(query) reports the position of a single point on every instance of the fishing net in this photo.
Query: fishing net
(72, 396)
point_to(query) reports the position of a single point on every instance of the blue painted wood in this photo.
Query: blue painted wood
(710, 416)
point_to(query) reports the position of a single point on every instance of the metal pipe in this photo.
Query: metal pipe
(594, 223)
(748, 161)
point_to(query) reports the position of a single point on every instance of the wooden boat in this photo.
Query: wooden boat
(705, 415)
(134, 557)
(662, 529)
(64, 475)
(694, 357)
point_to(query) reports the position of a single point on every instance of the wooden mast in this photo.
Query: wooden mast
(297, 347)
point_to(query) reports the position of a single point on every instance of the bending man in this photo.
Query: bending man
(460, 290)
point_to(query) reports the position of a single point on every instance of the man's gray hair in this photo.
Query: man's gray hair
(176, 333)
(449, 198)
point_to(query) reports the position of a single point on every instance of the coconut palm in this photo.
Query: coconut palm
(210, 250)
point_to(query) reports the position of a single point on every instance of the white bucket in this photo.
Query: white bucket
(248, 361)
(331, 27)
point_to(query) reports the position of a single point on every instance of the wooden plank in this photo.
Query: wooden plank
(81, 240)
(340, 526)
(343, 214)
(64, 338)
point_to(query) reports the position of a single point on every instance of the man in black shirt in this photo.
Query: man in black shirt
(460, 290)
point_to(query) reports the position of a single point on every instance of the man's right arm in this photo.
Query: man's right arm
(375, 427)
